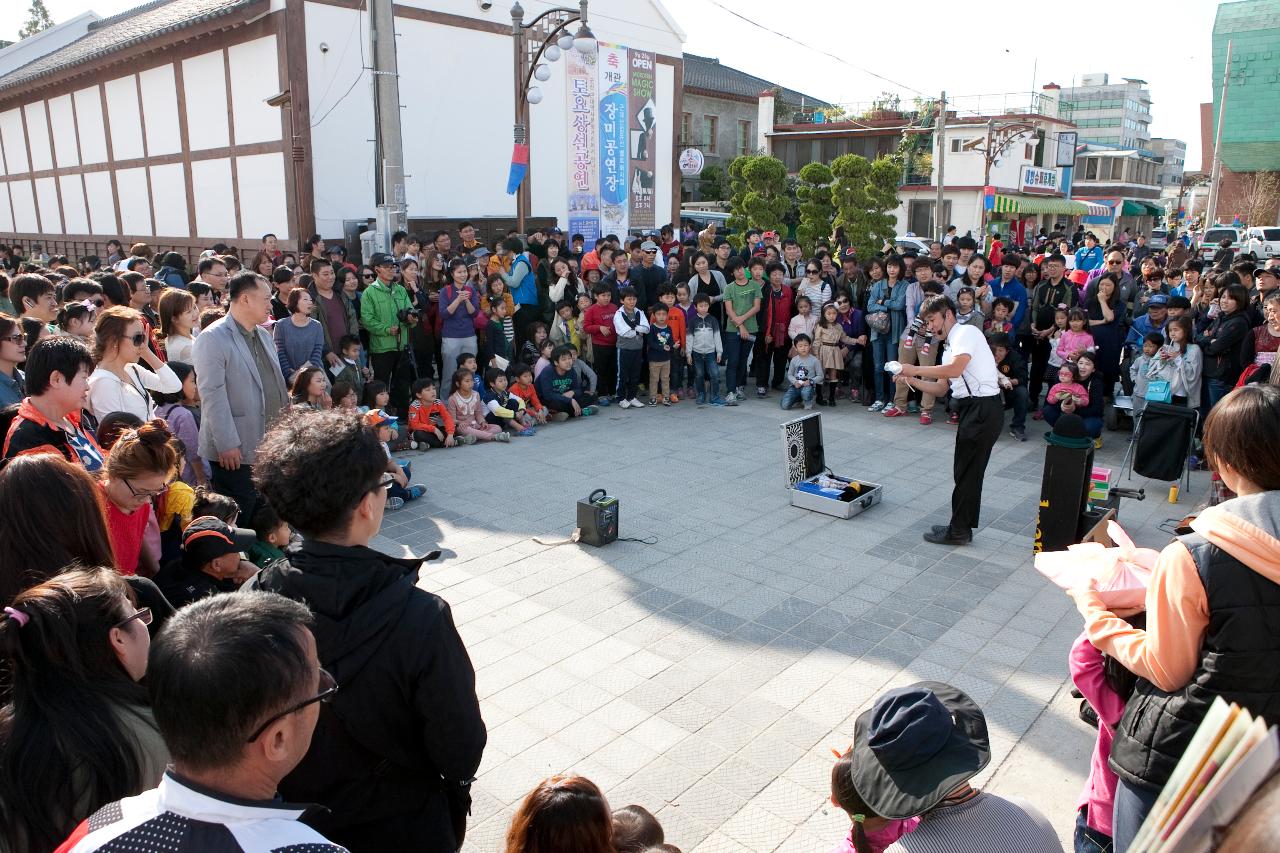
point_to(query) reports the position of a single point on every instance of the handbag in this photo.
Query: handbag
(1159, 391)
(879, 322)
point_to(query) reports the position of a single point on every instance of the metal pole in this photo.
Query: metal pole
(988, 156)
(521, 129)
(390, 146)
(938, 227)
(1215, 179)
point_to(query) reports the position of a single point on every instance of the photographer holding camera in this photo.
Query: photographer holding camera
(386, 313)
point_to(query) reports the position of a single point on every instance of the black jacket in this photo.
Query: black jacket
(396, 749)
(1221, 345)
(1014, 366)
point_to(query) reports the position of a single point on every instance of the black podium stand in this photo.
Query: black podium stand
(1064, 494)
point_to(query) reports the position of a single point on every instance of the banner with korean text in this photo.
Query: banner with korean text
(613, 80)
(584, 170)
(643, 124)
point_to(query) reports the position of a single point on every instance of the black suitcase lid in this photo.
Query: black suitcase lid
(802, 448)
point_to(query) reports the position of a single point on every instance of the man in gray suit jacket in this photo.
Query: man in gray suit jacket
(241, 388)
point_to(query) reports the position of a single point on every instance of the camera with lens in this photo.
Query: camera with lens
(408, 315)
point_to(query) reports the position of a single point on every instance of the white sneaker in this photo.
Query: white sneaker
(413, 445)
(624, 404)
(876, 406)
(636, 404)
(394, 504)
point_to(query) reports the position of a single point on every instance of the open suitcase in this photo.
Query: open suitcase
(811, 484)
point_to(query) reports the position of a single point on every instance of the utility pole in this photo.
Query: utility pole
(388, 145)
(988, 156)
(1215, 176)
(938, 227)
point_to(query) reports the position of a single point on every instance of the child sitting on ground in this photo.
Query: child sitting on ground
(804, 371)
(468, 409)
(430, 424)
(635, 830)
(1106, 686)
(399, 490)
(504, 408)
(376, 396)
(524, 389)
(1068, 385)
(543, 361)
(344, 397)
(537, 334)
(560, 390)
(870, 833)
(1076, 340)
(1001, 310)
(273, 535)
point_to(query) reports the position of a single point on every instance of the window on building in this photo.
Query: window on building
(1091, 168)
(686, 129)
(1029, 151)
(745, 143)
(920, 216)
(955, 145)
(711, 126)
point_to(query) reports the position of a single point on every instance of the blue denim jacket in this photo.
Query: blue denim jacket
(895, 302)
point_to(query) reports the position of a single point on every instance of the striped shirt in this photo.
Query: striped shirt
(985, 824)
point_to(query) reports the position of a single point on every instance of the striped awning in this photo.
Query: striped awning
(1029, 204)
(1096, 209)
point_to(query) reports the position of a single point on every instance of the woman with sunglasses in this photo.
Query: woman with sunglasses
(13, 351)
(120, 383)
(814, 285)
(78, 731)
(139, 469)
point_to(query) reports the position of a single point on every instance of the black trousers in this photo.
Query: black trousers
(765, 355)
(237, 485)
(396, 369)
(1039, 363)
(981, 419)
(606, 366)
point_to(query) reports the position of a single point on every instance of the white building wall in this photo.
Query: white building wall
(64, 132)
(160, 104)
(38, 136)
(102, 207)
(93, 135)
(75, 214)
(204, 86)
(457, 133)
(255, 76)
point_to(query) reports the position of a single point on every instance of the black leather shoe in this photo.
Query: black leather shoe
(946, 536)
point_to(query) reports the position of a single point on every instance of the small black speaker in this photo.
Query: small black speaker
(598, 518)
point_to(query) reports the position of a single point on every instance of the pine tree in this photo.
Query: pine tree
(760, 198)
(38, 20)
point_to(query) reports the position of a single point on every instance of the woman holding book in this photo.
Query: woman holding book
(1213, 607)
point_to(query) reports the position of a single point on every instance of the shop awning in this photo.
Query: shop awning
(1096, 209)
(1028, 204)
(1139, 208)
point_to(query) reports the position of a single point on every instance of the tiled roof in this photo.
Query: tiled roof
(120, 32)
(703, 72)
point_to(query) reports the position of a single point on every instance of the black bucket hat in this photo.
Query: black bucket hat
(915, 746)
(1069, 431)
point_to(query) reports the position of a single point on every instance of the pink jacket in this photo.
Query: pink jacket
(1071, 342)
(1100, 789)
(881, 838)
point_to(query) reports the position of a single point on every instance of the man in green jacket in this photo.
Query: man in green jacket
(381, 305)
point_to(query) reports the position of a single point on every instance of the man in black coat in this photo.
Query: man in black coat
(1013, 381)
(396, 750)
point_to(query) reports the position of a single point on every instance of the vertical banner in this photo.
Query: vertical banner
(614, 107)
(584, 176)
(643, 121)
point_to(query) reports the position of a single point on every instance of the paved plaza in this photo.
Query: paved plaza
(709, 675)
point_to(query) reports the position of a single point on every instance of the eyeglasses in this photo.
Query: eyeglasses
(813, 272)
(15, 338)
(146, 494)
(367, 276)
(328, 687)
(139, 339)
(143, 616)
(1114, 263)
(385, 483)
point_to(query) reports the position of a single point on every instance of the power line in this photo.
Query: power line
(364, 66)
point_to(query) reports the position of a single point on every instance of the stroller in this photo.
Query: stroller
(1161, 444)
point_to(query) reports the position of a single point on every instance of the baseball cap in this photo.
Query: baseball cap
(849, 254)
(381, 258)
(1158, 299)
(337, 249)
(376, 418)
(480, 253)
(766, 235)
(207, 538)
(648, 246)
(1271, 271)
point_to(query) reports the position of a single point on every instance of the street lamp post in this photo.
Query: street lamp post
(537, 43)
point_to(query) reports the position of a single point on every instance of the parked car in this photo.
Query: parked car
(1159, 239)
(903, 242)
(1215, 235)
(1261, 244)
(702, 218)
